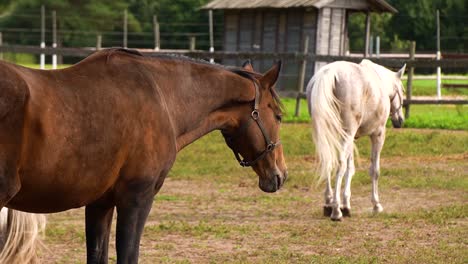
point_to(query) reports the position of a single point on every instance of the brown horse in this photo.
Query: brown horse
(105, 132)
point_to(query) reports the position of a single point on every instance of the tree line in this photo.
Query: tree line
(415, 21)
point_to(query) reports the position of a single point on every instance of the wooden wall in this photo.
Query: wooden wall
(332, 33)
(272, 30)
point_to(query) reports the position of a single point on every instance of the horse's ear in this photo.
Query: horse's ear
(271, 76)
(401, 72)
(247, 65)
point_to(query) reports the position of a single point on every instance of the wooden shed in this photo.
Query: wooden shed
(282, 26)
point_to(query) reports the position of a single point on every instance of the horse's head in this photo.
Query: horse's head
(255, 139)
(396, 102)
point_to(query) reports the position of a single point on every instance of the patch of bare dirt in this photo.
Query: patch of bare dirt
(289, 220)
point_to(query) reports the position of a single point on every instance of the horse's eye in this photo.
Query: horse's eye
(279, 118)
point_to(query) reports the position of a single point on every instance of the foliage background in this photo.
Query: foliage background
(80, 21)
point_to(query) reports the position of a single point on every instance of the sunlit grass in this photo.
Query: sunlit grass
(429, 87)
(421, 116)
(196, 161)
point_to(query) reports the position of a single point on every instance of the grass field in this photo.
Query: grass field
(422, 116)
(428, 87)
(211, 211)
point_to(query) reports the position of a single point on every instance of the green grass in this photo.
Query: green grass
(47, 66)
(428, 87)
(196, 161)
(421, 116)
(438, 116)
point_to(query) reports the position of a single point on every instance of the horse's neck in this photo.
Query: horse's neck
(385, 77)
(198, 105)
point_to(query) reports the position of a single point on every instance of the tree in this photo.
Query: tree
(415, 21)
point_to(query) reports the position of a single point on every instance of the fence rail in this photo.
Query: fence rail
(297, 56)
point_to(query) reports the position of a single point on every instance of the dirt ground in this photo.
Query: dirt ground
(194, 221)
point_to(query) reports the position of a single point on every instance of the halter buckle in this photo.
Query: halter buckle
(271, 146)
(255, 114)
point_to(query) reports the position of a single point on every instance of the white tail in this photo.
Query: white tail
(21, 233)
(328, 133)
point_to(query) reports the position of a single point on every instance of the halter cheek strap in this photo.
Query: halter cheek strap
(255, 116)
(401, 103)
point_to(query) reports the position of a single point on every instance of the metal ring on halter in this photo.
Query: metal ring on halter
(255, 114)
(271, 146)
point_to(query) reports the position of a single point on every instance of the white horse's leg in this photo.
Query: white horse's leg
(343, 157)
(374, 170)
(327, 208)
(346, 210)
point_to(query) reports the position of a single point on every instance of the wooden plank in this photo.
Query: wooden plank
(367, 35)
(246, 31)
(281, 37)
(454, 85)
(435, 101)
(335, 31)
(258, 31)
(231, 35)
(231, 31)
(409, 82)
(343, 32)
(395, 63)
(290, 71)
(323, 30)
(405, 102)
(309, 29)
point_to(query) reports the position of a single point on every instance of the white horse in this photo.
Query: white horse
(346, 101)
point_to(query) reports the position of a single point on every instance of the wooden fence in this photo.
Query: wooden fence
(411, 63)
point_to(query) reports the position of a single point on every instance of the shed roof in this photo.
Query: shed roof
(372, 5)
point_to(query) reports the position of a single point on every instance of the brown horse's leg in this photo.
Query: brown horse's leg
(98, 225)
(132, 210)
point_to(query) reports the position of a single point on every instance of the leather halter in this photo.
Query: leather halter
(401, 103)
(255, 116)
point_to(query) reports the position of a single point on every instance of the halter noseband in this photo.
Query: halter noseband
(401, 103)
(255, 116)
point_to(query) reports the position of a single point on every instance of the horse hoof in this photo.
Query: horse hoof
(378, 208)
(337, 219)
(346, 212)
(336, 214)
(327, 211)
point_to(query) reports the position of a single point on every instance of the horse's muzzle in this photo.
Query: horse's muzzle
(273, 183)
(398, 123)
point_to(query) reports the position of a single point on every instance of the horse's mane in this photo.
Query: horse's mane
(237, 70)
(253, 77)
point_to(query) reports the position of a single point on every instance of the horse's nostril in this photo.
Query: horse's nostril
(278, 182)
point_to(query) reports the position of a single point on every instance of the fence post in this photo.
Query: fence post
(367, 35)
(377, 46)
(193, 42)
(1, 43)
(42, 56)
(409, 82)
(54, 39)
(98, 42)
(125, 29)
(300, 85)
(439, 81)
(210, 16)
(156, 33)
